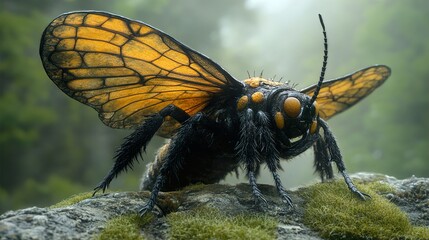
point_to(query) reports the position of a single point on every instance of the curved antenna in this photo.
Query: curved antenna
(325, 62)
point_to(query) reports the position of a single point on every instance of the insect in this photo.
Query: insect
(138, 77)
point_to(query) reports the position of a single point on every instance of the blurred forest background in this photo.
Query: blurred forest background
(51, 146)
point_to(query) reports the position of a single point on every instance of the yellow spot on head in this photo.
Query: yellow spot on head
(242, 103)
(292, 107)
(257, 97)
(313, 127)
(279, 119)
(253, 82)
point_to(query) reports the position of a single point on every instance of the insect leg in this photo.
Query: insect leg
(257, 194)
(131, 148)
(322, 162)
(270, 152)
(335, 154)
(247, 152)
(173, 158)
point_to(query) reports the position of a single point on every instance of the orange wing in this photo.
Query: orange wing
(127, 70)
(339, 94)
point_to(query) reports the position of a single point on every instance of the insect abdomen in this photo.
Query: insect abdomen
(205, 161)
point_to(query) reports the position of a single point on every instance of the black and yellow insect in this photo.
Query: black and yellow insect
(136, 76)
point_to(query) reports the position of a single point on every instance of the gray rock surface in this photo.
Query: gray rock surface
(87, 218)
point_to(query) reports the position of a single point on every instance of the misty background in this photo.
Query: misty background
(52, 147)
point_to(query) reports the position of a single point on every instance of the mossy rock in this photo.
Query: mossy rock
(336, 214)
(211, 223)
(398, 209)
(127, 227)
(72, 200)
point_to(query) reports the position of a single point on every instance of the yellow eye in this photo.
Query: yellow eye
(292, 107)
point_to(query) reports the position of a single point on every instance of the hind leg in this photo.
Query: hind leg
(173, 155)
(131, 148)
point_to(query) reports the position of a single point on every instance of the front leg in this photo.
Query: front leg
(247, 153)
(322, 161)
(269, 151)
(335, 154)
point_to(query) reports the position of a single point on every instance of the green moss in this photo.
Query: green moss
(125, 227)
(336, 214)
(378, 187)
(209, 223)
(72, 200)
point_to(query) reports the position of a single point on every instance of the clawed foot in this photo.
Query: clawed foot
(147, 208)
(102, 186)
(260, 201)
(282, 192)
(286, 199)
(105, 183)
(352, 187)
(361, 195)
(144, 210)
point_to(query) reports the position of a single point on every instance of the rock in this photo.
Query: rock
(87, 218)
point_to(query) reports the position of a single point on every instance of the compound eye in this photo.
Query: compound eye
(292, 107)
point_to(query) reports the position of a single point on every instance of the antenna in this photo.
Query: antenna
(325, 62)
